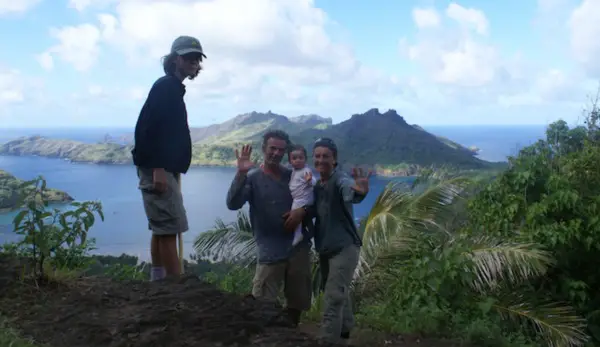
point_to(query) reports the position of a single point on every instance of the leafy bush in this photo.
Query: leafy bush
(421, 272)
(550, 195)
(51, 236)
(237, 280)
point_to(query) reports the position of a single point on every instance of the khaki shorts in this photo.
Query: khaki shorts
(166, 213)
(294, 274)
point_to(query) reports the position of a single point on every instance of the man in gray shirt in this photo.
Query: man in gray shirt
(266, 189)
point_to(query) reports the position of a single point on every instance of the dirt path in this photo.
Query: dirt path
(97, 312)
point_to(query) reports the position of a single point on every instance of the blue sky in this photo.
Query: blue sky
(91, 62)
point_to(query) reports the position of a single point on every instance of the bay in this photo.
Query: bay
(125, 228)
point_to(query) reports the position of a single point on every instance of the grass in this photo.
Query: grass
(9, 337)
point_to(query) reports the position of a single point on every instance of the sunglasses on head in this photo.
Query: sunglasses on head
(325, 140)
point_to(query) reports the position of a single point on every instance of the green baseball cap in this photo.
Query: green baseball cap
(187, 44)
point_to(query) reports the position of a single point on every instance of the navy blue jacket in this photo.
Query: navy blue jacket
(162, 134)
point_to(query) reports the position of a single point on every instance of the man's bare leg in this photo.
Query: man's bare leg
(168, 254)
(158, 271)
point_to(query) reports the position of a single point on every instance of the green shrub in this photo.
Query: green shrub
(51, 236)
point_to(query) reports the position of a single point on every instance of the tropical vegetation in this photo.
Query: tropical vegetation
(494, 259)
(497, 260)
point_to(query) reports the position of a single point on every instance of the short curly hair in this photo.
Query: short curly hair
(277, 134)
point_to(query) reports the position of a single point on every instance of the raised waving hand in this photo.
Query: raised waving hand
(361, 180)
(244, 163)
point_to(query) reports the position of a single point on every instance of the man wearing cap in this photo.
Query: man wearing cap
(163, 151)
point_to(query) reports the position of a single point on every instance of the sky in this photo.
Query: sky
(91, 63)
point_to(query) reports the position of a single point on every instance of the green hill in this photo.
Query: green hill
(102, 153)
(380, 140)
(9, 192)
(386, 140)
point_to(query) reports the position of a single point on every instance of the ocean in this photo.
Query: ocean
(125, 227)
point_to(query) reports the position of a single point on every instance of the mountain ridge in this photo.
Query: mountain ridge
(384, 141)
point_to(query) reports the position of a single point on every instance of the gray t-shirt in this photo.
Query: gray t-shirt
(269, 200)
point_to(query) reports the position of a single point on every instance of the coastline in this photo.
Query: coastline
(67, 199)
(379, 172)
(55, 203)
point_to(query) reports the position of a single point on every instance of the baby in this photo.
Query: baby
(301, 184)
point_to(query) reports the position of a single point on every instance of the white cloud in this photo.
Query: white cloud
(78, 45)
(263, 48)
(468, 64)
(550, 87)
(552, 5)
(11, 87)
(45, 60)
(557, 86)
(426, 17)
(284, 55)
(79, 5)
(15, 6)
(458, 58)
(265, 32)
(82, 5)
(463, 67)
(468, 17)
(584, 25)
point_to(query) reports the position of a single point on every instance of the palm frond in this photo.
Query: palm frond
(435, 204)
(219, 224)
(242, 223)
(387, 220)
(494, 261)
(232, 242)
(398, 216)
(391, 200)
(558, 324)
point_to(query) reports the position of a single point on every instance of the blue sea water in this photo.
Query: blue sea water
(204, 189)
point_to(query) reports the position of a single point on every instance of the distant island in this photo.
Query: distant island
(384, 142)
(9, 193)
